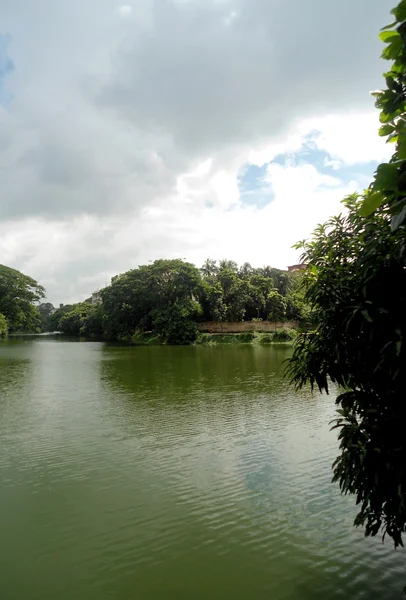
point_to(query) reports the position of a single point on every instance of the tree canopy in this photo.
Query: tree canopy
(356, 285)
(170, 297)
(388, 188)
(18, 297)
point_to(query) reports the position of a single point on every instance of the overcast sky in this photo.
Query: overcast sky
(179, 128)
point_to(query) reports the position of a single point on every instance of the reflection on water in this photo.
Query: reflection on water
(173, 473)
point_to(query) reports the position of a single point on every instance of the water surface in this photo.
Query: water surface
(173, 473)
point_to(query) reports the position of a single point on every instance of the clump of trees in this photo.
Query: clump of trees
(356, 286)
(19, 295)
(170, 297)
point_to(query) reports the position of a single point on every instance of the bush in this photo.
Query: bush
(3, 326)
(246, 337)
(284, 335)
(266, 339)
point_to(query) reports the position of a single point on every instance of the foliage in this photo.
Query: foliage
(82, 319)
(277, 306)
(162, 295)
(46, 310)
(388, 189)
(3, 326)
(356, 283)
(18, 295)
(55, 317)
(171, 296)
(246, 294)
(177, 323)
(284, 335)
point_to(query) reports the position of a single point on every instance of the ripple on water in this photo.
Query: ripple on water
(173, 473)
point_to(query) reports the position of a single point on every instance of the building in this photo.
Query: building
(300, 267)
(95, 298)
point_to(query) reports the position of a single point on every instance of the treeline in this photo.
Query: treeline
(19, 295)
(170, 298)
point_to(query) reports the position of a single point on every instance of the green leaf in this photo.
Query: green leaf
(400, 11)
(402, 183)
(386, 177)
(398, 219)
(401, 150)
(390, 82)
(388, 36)
(371, 203)
(385, 117)
(386, 130)
(394, 48)
(389, 26)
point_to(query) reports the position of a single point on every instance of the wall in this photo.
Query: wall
(241, 326)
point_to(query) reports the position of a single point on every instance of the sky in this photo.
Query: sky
(179, 129)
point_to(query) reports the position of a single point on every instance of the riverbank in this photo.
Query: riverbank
(211, 339)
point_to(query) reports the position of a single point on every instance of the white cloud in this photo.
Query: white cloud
(352, 138)
(126, 136)
(124, 10)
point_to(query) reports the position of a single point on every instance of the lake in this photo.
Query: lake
(173, 473)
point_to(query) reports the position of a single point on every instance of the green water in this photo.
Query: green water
(172, 473)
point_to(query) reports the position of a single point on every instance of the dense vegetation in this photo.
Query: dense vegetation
(18, 297)
(170, 297)
(3, 326)
(356, 284)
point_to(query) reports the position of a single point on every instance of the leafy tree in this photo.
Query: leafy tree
(235, 291)
(3, 326)
(246, 271)
(259, 290)
(18, 295)
(356, 283)
(276, 305)
(209, 270)
(82, 319)
(55, 317)
(229, 265)
(212, 302)
(177, 323)
(46, 310)
(135, 299)
(388, 187)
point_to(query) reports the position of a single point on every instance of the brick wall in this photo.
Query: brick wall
(241, 326)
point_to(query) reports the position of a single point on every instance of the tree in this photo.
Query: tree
(3, 326)
(135, 299)
(82, 319)
(209, 270)
(46, 310)
(235, 291)
(388, 187)
(276, 306)
(356, 284)
(18, 295)
(56, 316)
(176, 324)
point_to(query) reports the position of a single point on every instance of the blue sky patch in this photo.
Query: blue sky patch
(256, 190)
(6, 67)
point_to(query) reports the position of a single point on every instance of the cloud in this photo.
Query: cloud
(124, 10)
(125, 137)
